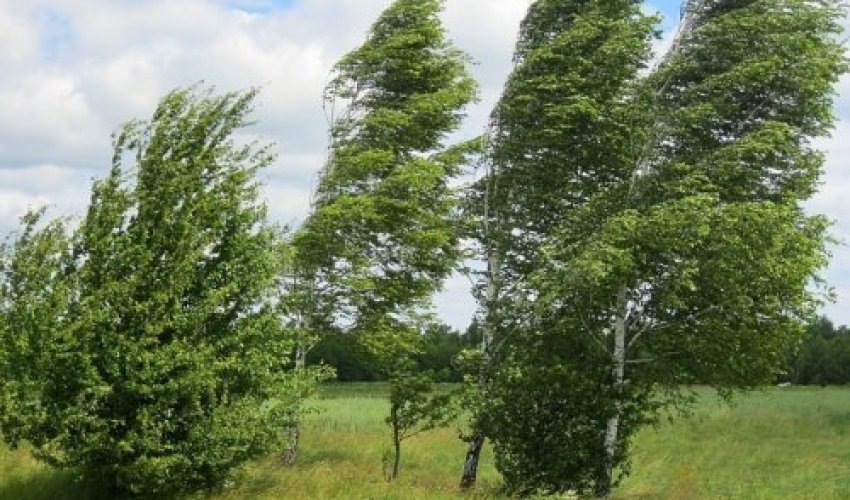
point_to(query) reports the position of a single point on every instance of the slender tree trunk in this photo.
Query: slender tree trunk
(294, 431)
(396, 444)
(606, 478)
(470, 466)
(291, 452)
(476, 443)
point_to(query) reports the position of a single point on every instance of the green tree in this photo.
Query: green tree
(160, 363)
(685, 256)
(415, 406)
(562, 112)
(34, 295)
(383, 234)
(441, 346)
(824, 357)
(350, 360)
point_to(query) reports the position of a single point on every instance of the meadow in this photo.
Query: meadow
(773, 444)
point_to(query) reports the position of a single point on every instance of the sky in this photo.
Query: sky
(71, 71)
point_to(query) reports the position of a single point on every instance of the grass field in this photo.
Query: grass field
(777, 444)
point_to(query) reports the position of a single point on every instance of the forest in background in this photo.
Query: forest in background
(822, 359)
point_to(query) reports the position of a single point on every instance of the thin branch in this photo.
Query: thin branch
(649, 325)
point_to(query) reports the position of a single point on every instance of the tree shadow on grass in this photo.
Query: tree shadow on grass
(48, 485)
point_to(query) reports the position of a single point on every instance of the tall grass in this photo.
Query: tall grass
(777, 444)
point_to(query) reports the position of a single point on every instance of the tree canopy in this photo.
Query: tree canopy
(673, 246)
(159, 358)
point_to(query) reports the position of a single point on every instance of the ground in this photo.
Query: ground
(789, 443)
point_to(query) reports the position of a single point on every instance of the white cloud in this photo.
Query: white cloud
(62, 188)
(18, 39)
(287, 204)
(13, 204)
(455, 303)
(46, 113)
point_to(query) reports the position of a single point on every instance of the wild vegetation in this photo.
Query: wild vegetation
(787, 444)
(640, 226)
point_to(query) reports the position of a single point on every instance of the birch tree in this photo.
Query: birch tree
(690, 259)
(383, 233)
(562, 111)
(382, 237)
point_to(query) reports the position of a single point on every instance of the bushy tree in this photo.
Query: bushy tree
(680, 252)
(438, 346)
(350, 360)
(441, 346)
(34, 295)
(159, 359)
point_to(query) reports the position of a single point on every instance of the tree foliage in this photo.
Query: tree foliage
(382, 236)
(159, 360)
(823, 358)
(415, 406)
(677, 251)
(439, 346)
(563, 111)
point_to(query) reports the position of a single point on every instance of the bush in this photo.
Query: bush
(146, 347)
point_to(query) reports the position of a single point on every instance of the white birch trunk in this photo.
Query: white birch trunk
(473, 454)
(612, 430)
(294, 431)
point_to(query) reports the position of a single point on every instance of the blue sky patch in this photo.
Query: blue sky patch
(260, 6)
(57, 33)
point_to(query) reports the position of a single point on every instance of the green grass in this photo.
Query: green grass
(782, 443)
(777, 444)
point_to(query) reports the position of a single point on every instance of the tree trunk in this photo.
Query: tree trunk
(291, 452)
(476, 444)
(606, 477)
(396, 444)
(470, 467)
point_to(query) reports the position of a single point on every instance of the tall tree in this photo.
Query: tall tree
(562, 111)
(159, 363)
(687, 256)
(383, 235)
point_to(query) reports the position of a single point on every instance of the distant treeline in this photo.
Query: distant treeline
(353, 363)
(824, 357)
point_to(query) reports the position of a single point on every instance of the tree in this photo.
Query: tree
(347, 356)
(685, 255)
(824, 357)
(415, 406)
(161, 363)
(34, 294)
(441, 346)
(562, 111)
(383, 235)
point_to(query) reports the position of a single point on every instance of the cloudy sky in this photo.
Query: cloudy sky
(71, 71)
